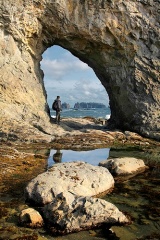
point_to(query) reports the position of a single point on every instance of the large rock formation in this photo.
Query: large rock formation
(118, 39)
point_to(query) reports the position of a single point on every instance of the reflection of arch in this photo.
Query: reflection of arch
(107, 35)
(57, 157)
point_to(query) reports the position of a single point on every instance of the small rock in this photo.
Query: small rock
(124, 166)
(31, 218)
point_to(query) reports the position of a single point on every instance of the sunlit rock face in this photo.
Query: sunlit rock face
(117, 39)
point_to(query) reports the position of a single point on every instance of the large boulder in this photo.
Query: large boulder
(119, 40)
(73, 179)
(124, 166)
(83, 213)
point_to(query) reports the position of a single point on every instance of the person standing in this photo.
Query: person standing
(58, 109)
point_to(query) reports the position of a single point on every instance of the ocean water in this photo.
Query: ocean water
(80, 113)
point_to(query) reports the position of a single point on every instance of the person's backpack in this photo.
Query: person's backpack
(55, 105)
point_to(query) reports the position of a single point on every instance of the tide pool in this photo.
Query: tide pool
(92, 156)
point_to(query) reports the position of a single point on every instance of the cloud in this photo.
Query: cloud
(86, 91)
(81, 65)
(58, 68)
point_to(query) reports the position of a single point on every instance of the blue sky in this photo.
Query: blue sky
(70, 78)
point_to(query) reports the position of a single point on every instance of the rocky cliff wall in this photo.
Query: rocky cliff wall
(118, 39)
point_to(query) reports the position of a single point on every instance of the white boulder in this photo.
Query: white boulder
(83, 213)
(71, 178)
(124, 166)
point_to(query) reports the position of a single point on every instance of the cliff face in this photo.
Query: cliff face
(118, 39)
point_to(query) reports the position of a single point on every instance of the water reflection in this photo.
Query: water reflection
(57, 157)
(92, 156)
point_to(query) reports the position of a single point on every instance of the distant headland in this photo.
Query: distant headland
(84, 105)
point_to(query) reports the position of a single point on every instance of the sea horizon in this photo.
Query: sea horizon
(83, 112)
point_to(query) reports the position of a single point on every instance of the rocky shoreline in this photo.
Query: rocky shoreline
(75, 134)
(79, 133)
(92, 133)
(26, 160)
(119, 40)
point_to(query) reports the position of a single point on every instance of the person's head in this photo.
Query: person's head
(58, 97)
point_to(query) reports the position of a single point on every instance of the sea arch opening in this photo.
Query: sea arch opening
(113, 67)
(66, 75)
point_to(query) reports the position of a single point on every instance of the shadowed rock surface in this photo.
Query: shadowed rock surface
(83, 213)
(119, 40)
(31, 218)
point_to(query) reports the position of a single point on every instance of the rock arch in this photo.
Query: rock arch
(117, 39)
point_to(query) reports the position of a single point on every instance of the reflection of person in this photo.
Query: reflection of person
(57, 157)
(58, 110)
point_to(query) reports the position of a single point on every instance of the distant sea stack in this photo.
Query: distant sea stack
(89, 105)
(65, 105)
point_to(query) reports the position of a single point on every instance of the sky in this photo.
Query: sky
(70, 78)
